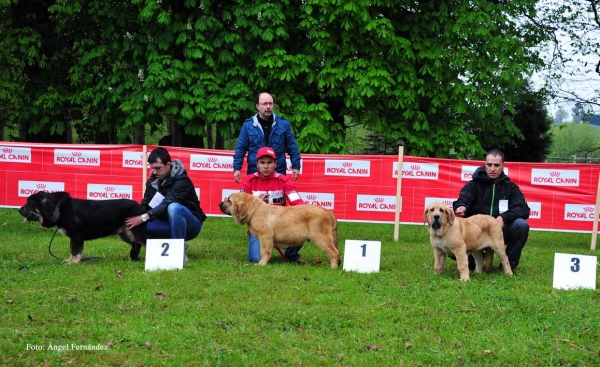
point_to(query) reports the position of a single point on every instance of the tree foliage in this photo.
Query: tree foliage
(431, 74)
(533, 121)
(579, 140)
(571, 53)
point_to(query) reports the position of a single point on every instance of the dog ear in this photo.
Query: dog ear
(425, 220)
(241, 211)
(47, 207)
(450, 215)
(61, 198)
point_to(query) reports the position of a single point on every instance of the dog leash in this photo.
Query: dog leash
(50, 245)
(281, 253)
(50, 250)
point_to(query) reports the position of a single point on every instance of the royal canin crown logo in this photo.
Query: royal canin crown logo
(554, 174)
(415, 167)
(40, 186)
(588, 209)
(76, 154)
(311, 197)
(212, 159)
(379, 200)
(6, 150)
(109, 189)
(347, 164)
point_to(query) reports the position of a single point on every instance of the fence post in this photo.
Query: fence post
(398, 194)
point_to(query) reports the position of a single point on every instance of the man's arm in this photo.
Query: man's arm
(517, 205)
(291, 147)
(240, 151)
(465, 198)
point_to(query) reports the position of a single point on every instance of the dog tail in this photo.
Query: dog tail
(334, 228)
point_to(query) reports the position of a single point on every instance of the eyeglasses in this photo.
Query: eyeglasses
(266, 104)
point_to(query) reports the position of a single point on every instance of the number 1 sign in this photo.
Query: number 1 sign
(362, 256)
(574, 271)
(165, 254)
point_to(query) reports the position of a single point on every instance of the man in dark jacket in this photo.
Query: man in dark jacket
(491, 192)
(170, 197)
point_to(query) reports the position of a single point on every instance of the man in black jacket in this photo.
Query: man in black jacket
(491, 192)
(170, 197)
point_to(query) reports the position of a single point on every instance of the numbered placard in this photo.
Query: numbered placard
(362, 256)
(574, 271)
(165, 254)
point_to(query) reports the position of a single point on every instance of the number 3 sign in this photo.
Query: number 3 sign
(164, 254)
(362, 256)
(574, 271)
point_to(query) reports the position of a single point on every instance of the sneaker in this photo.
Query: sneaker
(185, 258)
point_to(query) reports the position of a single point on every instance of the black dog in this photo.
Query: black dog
(82, 220)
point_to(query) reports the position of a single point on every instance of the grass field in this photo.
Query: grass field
(222, 311)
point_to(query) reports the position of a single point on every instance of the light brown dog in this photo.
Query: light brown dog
(449, 235)
(284, 225)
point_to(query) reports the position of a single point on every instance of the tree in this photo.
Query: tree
(572, 27)
(534, 123)
(579, 140)
(560, 115)
(578, 113)
(432, 74)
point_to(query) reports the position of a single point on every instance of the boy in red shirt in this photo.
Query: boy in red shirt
(275, 189)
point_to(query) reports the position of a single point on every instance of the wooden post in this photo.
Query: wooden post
(144, 168)
(595, 227)
(398, 192)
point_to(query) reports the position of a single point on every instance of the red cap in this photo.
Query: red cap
(265, 151)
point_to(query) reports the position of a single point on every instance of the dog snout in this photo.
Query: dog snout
(223, 208)
(436, 217)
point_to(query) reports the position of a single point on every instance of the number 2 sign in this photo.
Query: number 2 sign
(164, 254)
(574, 271)
(362, 256)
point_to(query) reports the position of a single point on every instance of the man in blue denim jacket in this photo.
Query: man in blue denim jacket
(262, 130)
(265, 129)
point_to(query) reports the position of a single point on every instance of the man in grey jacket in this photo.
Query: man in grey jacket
(170, 197)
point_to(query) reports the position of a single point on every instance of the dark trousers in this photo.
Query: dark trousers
(515, 237)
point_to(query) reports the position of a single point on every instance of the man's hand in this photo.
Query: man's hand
(133, 222)
(236, 176)
(460, 211)
(295, 174)
(500, 220)
(264, 197)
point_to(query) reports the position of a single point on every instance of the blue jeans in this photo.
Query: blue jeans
(181, 224)
(291, 253)
(515, 236)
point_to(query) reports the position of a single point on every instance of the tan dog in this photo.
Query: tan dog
(284, 225)
(452, 235)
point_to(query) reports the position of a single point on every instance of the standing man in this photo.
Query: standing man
(491, 192)
(173, 206)
(275, 189)
(266, 129)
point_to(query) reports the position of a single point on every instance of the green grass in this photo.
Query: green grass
(222, 311)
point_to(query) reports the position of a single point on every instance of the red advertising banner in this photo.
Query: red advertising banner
(561, 196)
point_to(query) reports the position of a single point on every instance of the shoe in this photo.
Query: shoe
(185, 258)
